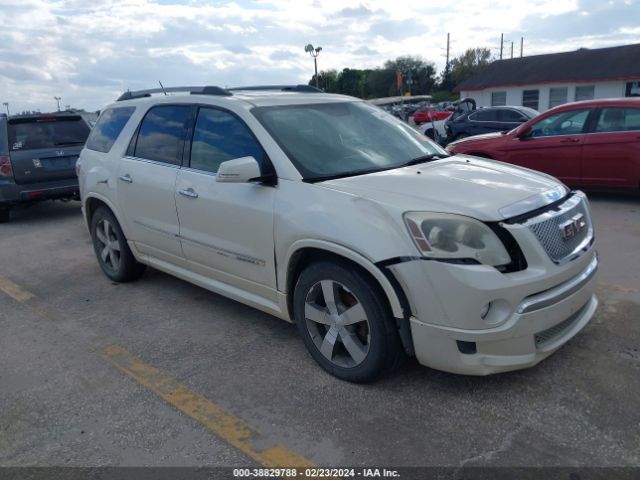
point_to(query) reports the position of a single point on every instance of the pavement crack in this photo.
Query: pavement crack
(505, 445)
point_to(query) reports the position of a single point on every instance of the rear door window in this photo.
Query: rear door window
(489, 115)
(109, 125)
(47, 132)
(618, 120)
(507, 115)
(162, 133)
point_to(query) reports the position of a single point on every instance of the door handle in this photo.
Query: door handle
(570, 140)
(126, 178)
(189, 192)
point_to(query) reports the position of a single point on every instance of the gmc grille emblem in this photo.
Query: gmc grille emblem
(572, 227)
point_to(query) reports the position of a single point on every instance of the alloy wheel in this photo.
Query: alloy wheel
(108, 244)
(337, 323)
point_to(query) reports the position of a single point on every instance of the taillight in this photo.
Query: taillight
(5, 167)
(78, 168)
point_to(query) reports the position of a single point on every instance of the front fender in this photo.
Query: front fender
(350, 254)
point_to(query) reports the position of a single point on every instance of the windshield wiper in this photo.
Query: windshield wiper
(59, 144)
(425, 158)
(335, 176)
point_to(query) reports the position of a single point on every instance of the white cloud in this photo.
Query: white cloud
(89, 52)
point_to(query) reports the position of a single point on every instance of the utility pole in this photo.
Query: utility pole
(446, 68)
(521, 46)
(57, 99)
(511, 49)
(501, 44)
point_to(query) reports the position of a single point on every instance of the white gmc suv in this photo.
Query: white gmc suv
(327, 212)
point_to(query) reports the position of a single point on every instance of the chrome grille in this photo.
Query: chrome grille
(548, 229)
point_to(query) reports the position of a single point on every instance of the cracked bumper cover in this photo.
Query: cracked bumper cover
(532, 313)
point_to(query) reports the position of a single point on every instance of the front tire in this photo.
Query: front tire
(345, 323)
(111, 248)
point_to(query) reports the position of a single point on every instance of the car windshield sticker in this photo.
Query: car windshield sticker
(17, 146)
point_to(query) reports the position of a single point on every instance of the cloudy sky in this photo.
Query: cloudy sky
(90, 51)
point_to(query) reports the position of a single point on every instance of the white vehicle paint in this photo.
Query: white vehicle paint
(436, 126)
(393, 234)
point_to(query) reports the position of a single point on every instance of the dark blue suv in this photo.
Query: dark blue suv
(487, 120)
(38, 156)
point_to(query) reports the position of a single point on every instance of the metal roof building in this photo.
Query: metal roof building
(544, 81)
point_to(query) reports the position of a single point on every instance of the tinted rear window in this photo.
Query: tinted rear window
(109, 125)
(4, 147)
(507, 115)
(484, 116)
(46, 132)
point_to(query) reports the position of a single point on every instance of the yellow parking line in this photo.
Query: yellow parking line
(231, 429)
(228, 427)
(14, 291)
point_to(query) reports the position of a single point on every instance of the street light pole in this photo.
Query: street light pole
(57, 99)
(314, 52)
(6, 104)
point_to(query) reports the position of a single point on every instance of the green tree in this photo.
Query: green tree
(381, 82)
(445, 83)
(470, 62)
(421, 72)
(350, 82)
(327, 80)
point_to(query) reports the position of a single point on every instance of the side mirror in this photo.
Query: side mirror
(523, 133)
(239, 170)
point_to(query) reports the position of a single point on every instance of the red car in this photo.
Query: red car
(595, 143)
(426, 115)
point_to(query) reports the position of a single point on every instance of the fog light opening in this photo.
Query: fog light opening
(484, 311)
(467, 348)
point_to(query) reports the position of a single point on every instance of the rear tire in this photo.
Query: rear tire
(345, 323)
(5, 214)
(111, 248)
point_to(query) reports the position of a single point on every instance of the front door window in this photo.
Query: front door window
(563, 123)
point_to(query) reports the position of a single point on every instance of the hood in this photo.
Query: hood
(464, 185)
(484, 136)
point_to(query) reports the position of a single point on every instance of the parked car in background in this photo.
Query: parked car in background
(321, 209)
(594, 143)
(486, 120)
(38, 156)
(434, 130)
(429, 114)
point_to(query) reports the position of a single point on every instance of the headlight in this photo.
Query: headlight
(450, 149)
(455, 237)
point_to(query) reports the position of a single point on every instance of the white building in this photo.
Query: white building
(545, 81)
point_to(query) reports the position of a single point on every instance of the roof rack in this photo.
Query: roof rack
(282, 88)
(206, 90)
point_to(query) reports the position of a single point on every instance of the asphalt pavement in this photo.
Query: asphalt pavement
(163, 373)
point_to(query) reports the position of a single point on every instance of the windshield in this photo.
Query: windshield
(46, 132)
(333, 140)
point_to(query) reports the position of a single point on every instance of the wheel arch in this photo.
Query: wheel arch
(302, 253)
(92, 202)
